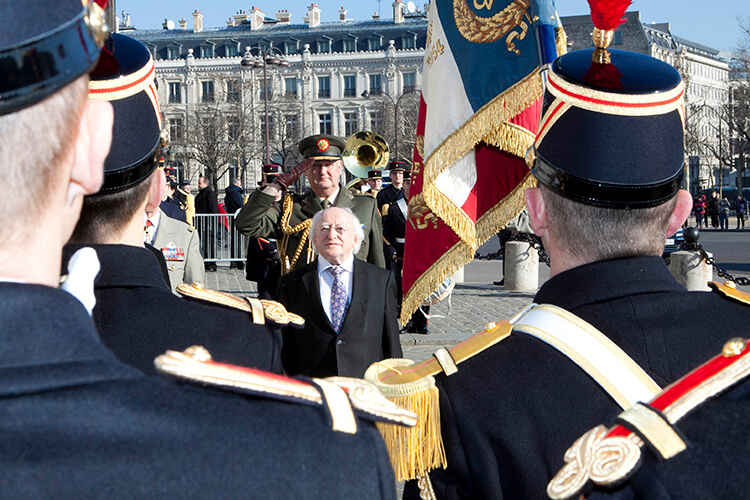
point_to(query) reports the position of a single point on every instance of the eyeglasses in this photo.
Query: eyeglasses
(340, 230)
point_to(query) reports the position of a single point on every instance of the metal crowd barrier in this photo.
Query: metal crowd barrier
(220, 241)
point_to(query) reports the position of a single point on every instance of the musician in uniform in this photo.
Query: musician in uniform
(375, 181)
(131, 294)
(611, 326)
(394, 232)
(395, 190)
(288, 221)
(76, 422)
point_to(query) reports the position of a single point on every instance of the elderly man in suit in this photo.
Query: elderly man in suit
(349, 305)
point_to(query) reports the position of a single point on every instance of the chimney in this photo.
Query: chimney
(126, 19)
(183, 24)
(230, 22)
(256, 18)
(376, 16)
(165, 24)
(283, 17)
(313, 15)
(398, 12)
(197, 21)
(239, 18)
(342, 14)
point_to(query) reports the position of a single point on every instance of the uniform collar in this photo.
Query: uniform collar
(123, 266)
(607, 280)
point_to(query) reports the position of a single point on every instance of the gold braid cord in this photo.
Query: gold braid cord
(488, 29)
(288, 230)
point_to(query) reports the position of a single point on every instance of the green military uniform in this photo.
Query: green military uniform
(261, 217)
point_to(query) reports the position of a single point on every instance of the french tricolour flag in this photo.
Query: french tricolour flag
(480, 107)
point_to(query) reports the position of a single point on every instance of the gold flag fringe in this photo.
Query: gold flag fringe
(413, 450)
(510, 138)
(450, 262)
(498, 216)
(482, 124)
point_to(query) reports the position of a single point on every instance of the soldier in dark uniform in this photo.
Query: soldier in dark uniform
(263, 259)
(76, 422)
(692, 440)
(394, 232)
(611, 326)
(136, 313)
(395, 190)
(288, 221)
(375, 181)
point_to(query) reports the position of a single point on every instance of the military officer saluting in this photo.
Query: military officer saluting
(611, 326)
(395, 190)
(288, 221)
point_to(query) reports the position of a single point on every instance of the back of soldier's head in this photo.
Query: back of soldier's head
(609, 154)
(125, 78)
(46, 50)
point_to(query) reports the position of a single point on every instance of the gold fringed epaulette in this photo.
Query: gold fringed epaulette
(260, 310)
(729, 289)
(344, 397)
(417, 450)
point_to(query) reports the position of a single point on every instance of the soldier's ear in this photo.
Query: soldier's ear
(537, 210)
(680, 213)
(92, 147)
(156, 191)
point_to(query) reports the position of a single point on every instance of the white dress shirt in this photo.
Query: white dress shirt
(325, 282)
(331, 199)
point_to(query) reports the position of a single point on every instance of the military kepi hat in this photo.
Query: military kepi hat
(46, 45)
(271, 169)
(127, 81)
(322, 147)
(611, 133)
(396, 166)
(374, 174)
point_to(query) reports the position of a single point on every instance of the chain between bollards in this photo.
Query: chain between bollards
(691, 235)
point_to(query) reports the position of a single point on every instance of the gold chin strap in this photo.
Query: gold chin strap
(288, 230)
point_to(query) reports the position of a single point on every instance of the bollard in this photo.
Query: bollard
(691, 270)
(521, 266)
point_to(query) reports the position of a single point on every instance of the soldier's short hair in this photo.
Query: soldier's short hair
(597, 233)
(34, 143)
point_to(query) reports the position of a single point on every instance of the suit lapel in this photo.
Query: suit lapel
(312, 286)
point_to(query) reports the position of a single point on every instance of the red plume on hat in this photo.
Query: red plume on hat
(107, 64)
(606, 15)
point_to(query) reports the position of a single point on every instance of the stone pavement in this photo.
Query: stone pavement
(473, 304)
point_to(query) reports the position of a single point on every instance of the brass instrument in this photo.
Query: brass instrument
(365, 151)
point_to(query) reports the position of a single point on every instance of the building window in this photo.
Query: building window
(292, 126)
(324, 46)
(207, 94)
(290, 87)
(350, 45)
(207, 52)
(175, 92)
(374, 44)
(410, 81)
(233, 90)
(231, 51)
(325, 123)
(266, 90)
(324, 87)
(351, 124)
(290, 48)
(376, 120)
(175, 129)
(375, 85)
(408, 42)
(350, 86)
(173, 52)
(233, 128)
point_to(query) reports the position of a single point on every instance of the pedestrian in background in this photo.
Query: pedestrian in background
(699, 208)
(233, 200)
(724, 214)
(740, 211)
(206, 202)
(712, 209)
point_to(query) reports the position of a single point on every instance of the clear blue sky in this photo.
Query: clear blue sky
(710, 23)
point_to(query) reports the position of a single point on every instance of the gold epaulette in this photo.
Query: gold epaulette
(417, 450)
(261, 310)
(729, 289)
(343, 396)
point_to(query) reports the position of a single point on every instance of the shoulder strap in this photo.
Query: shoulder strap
(403, 207)
(592, 351)
(729, 290)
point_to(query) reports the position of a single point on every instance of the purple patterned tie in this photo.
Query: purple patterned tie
(338, 298)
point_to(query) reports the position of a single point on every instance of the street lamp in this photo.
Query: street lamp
(395, 103)
(264, 57)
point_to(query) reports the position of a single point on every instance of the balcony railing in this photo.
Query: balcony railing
(322, 93)
(350, 92)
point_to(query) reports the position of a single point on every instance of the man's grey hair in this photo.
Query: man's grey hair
(358, 231)
(596, 233)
